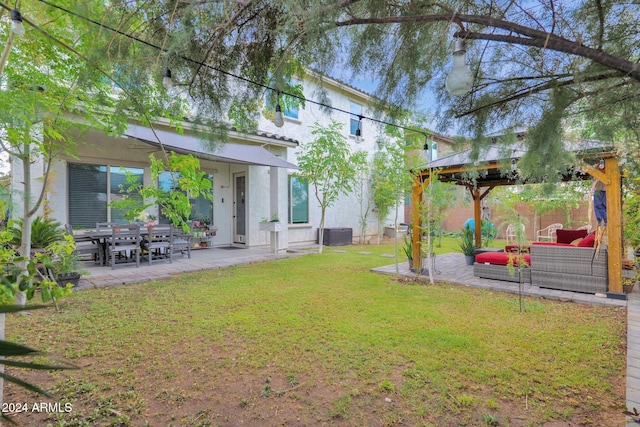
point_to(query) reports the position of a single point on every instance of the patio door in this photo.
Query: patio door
(239, 208)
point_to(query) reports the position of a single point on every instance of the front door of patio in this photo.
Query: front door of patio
(239, 208)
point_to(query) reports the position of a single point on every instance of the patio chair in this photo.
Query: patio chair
(548, 234)
(157, 245)
(181, 241)
(85, 245)
(101, 226)
(585, 227)
(124, 242)
(511, 235)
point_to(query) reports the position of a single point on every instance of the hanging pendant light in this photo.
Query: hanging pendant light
(278, 120)
(359, 131)
(166, 78)
(16, 23)
(460, 80)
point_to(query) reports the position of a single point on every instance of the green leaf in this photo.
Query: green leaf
(25, 384)
(31, 365)
(46, 295)
(8, 348)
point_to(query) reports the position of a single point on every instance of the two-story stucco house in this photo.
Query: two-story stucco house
(253, 175)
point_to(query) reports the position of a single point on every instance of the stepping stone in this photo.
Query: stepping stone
(388, 255)
(364, 253)
(339, 251)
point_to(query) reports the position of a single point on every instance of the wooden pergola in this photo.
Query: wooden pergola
(490, 170)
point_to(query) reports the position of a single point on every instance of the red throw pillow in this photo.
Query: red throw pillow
(588, 241)
(568, 236)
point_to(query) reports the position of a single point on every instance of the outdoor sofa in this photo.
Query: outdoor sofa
(502, 266)
(571, 264)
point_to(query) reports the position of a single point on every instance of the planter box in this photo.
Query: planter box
(73, 278)
(274, 226)
(391, 232)
(337, 236)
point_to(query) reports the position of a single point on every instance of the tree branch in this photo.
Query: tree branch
(556, 83)
(534, 38)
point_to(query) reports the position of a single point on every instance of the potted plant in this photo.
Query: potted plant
(44, 232)
(63, 262)
(468, 245)
(408, 249)
(627, 284)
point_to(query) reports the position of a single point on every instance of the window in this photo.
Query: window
(289, 104)
(201, 208)
(298, 200)
(91, 187)
(356, 112)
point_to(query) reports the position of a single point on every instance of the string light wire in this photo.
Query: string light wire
(227, 73)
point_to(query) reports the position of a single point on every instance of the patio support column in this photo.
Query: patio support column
(614, 227)
(611, 178)
(477, 215)
(277, 237)
(416, 200)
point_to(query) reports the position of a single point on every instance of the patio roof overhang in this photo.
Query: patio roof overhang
(227, 153)
(494, 169)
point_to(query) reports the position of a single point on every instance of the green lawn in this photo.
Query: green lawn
(319, 340)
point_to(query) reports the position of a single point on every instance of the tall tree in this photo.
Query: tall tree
(531, 60)
(328, 164)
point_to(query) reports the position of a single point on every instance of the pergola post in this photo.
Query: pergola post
(477, 215)
(611, 178)
(477, 211)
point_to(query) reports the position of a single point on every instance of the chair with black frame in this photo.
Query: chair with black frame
(181, 241)
(104, 227)
(157, 244)
(85, 245)
(125, 239)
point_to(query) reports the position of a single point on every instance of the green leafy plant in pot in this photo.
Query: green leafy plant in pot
(408, 249)
(468, 245)
(63, 262)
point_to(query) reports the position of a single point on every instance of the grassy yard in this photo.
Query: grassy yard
(319, 340)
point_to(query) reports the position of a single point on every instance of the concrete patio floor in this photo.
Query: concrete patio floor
(448, 268)
(201, 259)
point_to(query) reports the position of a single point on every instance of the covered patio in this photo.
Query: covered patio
(497, 166)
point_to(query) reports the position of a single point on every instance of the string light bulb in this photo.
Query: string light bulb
(460, 80)
(359, 131)
(601, 164)
(514, 164)
(16, 23)
(166, 78)
(278, 119)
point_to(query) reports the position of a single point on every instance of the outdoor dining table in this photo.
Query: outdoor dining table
(102, 236)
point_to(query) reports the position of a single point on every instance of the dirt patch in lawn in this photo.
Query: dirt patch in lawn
(215, 388)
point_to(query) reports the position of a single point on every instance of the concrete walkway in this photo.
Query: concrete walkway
(448, 268)
(201, 259)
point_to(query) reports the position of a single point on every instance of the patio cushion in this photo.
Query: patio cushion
(588, 241)
(551, 244)
(568, 236)
(499, 258)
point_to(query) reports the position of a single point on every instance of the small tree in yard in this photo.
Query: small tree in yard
(390, 180)
(363, 195)
(188, 181)
(328, 164)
